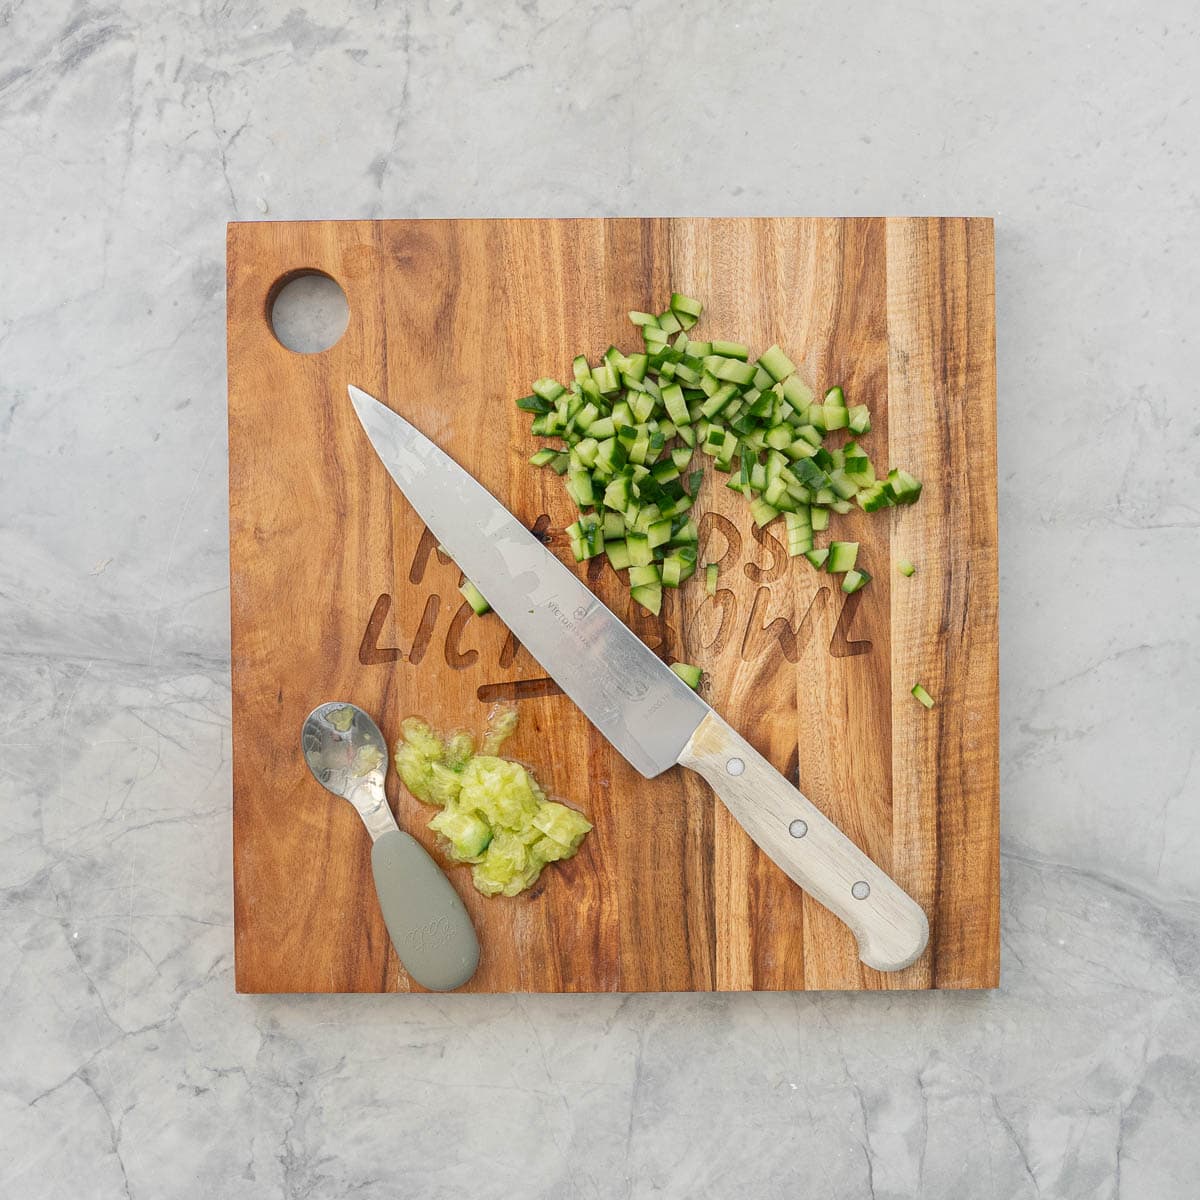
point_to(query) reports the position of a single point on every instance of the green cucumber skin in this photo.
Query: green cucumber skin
(689, 674)
(842, 557)
(475, 598)
(629, 425)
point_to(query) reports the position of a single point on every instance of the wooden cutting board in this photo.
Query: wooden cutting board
(338, 592)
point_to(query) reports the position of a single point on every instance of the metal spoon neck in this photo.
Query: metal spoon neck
(370, 802)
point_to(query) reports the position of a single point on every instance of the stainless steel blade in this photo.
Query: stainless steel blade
(640, 705)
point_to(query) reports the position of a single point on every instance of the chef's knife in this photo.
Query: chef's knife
(638, 703)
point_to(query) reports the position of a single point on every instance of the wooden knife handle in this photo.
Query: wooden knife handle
(889, 925)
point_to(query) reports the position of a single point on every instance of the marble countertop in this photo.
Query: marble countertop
(130, 132)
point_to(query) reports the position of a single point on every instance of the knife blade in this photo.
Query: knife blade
(634, 699)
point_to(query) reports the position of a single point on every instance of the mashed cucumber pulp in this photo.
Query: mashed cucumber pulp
(494, 814)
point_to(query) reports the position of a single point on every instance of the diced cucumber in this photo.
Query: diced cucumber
(685, 304)
(474, 597)
(678, 506)
(633, 370)
(548, 389)
(618, 553)
(586, 538)
(776, 363)
(797, 393)
(818, 558)
(689, 674)
(649, 597)
(875, 497)
(585, 452)
(628, 426)
(800, 448)
(718, 400)
(922, 695)
(666, 470)
(658, 534)
(678, 566)
(605, 378)
(686, 532)
(903, 487)
(776, 493)
(639, 549)
(641, 576)
(579, 488)
(710, 578)
(732, 371)
(905, 568)
(799, 532)
(762, 512)
(842, 556)
(840, 482)
(619, 493)
(858, 466)
(675, 404)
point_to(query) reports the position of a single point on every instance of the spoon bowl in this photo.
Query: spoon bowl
(347, 755)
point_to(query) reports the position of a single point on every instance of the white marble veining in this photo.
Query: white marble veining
(129, 133)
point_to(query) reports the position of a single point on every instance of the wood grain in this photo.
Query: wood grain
(889, 926)
(944, 620)
(337, 592)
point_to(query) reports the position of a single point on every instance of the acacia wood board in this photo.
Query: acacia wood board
(338, 592)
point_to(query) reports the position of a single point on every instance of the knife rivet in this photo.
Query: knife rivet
(861, 890)
(735, 766)
(798, 828)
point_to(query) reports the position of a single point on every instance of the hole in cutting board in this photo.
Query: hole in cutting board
(308, 311)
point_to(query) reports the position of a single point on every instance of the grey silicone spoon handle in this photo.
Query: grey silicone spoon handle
(427, 921)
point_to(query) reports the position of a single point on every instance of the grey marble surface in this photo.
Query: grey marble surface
(129, 133)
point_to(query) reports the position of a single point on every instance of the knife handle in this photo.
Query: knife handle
(889, 925)
(425, 918)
